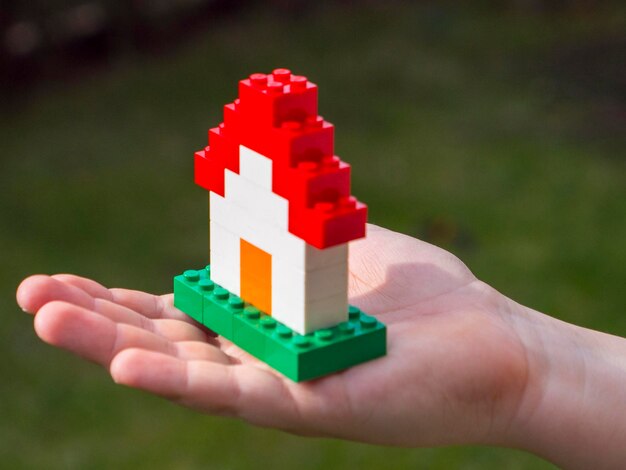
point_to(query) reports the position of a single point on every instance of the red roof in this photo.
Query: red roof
(276, 116)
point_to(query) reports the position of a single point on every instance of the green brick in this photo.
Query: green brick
(328, 350)
(298, 357)
(247, 333)
(188, 292)
(282, 354)
(219, 309)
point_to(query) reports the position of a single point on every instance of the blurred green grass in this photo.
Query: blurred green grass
(463, 126)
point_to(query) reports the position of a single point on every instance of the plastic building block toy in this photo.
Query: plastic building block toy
(281, 217)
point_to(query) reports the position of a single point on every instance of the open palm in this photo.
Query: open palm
(454, 360)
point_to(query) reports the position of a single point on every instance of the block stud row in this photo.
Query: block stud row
(238, 307)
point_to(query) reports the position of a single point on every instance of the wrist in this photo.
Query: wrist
(572, 409)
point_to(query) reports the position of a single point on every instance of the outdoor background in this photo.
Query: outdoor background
(496, 132)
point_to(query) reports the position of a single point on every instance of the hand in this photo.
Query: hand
(454, 372)
(464, 365)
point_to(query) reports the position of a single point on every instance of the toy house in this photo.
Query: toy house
(281, 217)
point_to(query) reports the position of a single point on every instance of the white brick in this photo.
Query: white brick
(254, 229)
(277, 242)
(225, 258)
(309, 258)
(307, 317)
(256, 199)
(308, 286)
(255, 167)
(325, 313)
(308, 300)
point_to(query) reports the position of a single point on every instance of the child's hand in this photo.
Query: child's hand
(464, 363)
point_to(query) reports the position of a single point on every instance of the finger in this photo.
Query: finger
(99, 339)
(36, 291)
(174, 330)
(257, 395)
(151, 306)
(148, 305)
(90, 286)
(199, 351)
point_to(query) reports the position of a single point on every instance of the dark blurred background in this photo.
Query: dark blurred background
(494, 130)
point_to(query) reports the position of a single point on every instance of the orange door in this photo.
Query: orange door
(256, 276)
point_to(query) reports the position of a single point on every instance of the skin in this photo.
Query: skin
(465, 364)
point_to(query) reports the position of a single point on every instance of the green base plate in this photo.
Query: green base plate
(299, 357)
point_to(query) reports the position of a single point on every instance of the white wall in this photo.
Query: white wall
(309, 285)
